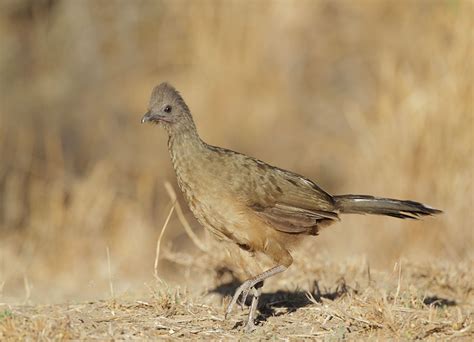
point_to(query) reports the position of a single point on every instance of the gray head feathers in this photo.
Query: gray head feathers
(166, 93)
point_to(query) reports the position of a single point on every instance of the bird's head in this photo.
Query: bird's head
(167, 107)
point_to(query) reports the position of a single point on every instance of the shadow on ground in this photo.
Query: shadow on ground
(283, 302)
(438, 302)
(271, 303)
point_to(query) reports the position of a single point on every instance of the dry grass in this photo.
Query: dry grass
(368, 97)
(346, 301)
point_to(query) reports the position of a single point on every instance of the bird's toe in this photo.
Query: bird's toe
(243, 290)
(250, 327)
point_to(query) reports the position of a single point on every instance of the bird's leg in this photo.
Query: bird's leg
(256, 291)
(250, 283)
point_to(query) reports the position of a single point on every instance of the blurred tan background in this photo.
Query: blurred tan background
(371, 97)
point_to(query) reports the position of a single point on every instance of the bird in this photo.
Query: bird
(245, 201)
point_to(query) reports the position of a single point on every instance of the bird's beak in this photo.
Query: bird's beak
(147, 117)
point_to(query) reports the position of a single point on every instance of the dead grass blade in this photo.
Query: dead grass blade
(182, 219)
(111, 285)
(158, 243)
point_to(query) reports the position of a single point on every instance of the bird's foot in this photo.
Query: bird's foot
(243, 290)
(255, 284)
(257, 291)
(250, 327)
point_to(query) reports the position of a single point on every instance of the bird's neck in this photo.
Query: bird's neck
(184, 145)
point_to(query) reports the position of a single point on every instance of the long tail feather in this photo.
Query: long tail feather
(363, 204)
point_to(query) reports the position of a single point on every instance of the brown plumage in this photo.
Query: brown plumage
(259, 207)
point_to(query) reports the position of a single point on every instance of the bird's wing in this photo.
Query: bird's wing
(294, 220)
(291, 203)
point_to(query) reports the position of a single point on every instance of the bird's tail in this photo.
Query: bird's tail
(363, 204)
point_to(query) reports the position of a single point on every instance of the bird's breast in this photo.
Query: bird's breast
(208, 198)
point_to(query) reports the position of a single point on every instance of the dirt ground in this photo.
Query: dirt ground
(345, 300)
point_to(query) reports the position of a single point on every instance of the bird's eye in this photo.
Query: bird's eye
(167, 109)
